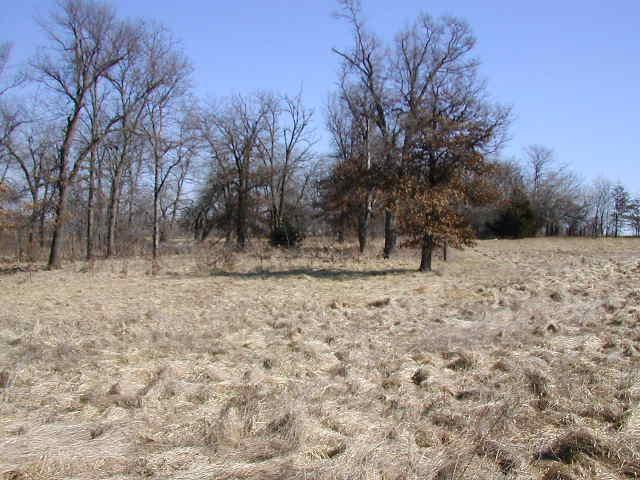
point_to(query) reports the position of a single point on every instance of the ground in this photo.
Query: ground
(515, 359)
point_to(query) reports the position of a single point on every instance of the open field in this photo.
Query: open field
(516, 359)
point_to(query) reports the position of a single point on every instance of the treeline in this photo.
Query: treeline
(540, 196)
(105, 150)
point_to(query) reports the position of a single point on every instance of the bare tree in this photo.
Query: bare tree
(87, 41)
(8, 82)
(600, 200)
(285, 150)
(232, 133)
(5, 50)
(633, 216)
(154, 65)
(187, 148)
(95, 119)
(554, 191)
(32, 153)
(540, 159)
(355, 145)
(11, 117)
(367, 66)
(621, 200)
(163, 117)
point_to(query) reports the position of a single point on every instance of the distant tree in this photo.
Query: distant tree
(285, 151)
(11, 118)
(633, 216)
(516, 219)
(554, 192)
(621, 202)
(599, 198)
(187, 148)
(8, 199)
(169, 145)
(232, 133)
(32, 157)
(505, 180)
(214, 205)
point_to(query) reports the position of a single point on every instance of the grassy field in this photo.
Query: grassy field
(515, 359)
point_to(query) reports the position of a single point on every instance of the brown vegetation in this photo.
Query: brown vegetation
(295, 365)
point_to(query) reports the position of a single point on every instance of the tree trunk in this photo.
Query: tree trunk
(112, 213)
(55, 260)
(43, 213)
(156, 216)
(64, 180)
(241, 221)
(444, 251)
(389, 233)
(427, 253)
(90, 204)
(33, 227)
(31, 240)
(363, 225)
(363, 232)
(281, 205)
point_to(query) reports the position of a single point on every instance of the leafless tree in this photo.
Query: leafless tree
(11, 117)
(163, 117)
(95, 120)
(356, 145)
(187, 149)
(87, 41)
(5, 50)
(233, 134)
(156, 71)
(600, 199)
(31, 156)
(165, 157)
(367, 65)
(8, 82)
(621, 200)
(285, 149)
(539, 158)
(554, 190)
(633, 216)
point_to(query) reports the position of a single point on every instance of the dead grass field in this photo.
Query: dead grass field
(516, 359)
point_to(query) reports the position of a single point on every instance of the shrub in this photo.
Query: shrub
(287, 235)
(517, 220)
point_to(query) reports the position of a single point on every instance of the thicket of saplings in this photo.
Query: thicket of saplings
(115, 155)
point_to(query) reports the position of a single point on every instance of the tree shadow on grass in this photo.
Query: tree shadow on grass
(319, 273)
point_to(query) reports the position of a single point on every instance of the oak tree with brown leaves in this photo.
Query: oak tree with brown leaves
(451, 132)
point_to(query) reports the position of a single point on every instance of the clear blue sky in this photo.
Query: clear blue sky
(570, 69)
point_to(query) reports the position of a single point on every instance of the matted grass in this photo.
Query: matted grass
(516, 359)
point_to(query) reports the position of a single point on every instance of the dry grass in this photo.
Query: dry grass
(517, 359)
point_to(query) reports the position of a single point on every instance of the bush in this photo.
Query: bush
(287, 235)
(517, 220)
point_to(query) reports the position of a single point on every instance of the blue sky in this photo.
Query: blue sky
(570, 69)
